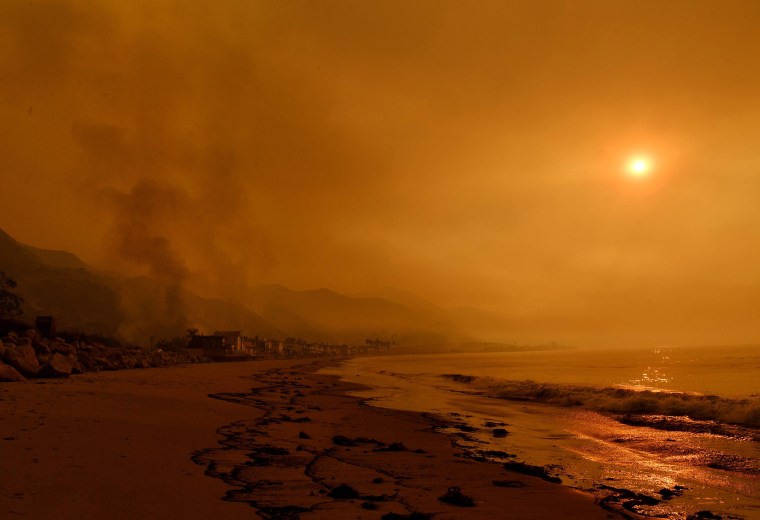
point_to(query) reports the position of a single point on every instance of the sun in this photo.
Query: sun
(639, 167)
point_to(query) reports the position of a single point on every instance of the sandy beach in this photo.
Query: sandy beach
(271, 438)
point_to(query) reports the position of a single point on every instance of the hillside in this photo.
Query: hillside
(77, 297)
(60, 284)
(139, 308)
(326, 314)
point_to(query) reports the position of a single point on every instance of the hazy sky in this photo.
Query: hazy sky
(472, 152)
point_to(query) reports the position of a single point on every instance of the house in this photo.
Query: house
(233, 341)
(210, 346)
(274, 347)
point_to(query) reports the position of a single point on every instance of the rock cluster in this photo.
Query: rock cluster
(31, 356)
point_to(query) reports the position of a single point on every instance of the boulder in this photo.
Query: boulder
(62, 347)
(455, 497)
(22, 358)
(117, 360)
(41, 348)
(76, 366)
(2, 349)
(102, 363)
(9, 374)
(159, 359)
(24, 341)
(58, 366)
(85, 360)
(343, 492)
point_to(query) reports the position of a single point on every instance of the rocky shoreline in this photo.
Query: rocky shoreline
(31, 356)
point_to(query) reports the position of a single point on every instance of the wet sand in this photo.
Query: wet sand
(274, 436)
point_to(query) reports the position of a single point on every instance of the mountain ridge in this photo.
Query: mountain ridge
(133, 308)
(137, 308)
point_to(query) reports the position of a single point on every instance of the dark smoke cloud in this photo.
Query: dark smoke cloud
(141, 239)
(138, 217)
(178, 225)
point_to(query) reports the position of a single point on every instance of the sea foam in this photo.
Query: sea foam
(619, 400)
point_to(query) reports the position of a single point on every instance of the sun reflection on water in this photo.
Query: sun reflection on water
(655, 376)
(642, 440)
(713, 470)
(652, 377)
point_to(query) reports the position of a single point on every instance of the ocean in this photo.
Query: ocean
(678, 425)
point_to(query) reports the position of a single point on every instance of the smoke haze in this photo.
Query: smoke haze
(469, 152)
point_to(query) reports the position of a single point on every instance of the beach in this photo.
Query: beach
(272, 438)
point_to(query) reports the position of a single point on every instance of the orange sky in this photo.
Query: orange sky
(471, 152)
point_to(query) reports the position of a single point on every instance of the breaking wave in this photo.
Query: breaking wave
(616, 400)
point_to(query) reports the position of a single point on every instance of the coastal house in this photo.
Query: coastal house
(294, 347)
(210, 346)
(274, 347)
(257, 347)
(376, 346)
(233, 341)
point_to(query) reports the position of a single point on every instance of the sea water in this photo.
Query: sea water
(599, 419)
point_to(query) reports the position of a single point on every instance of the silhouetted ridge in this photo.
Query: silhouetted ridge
(58, 283)
(324, 314)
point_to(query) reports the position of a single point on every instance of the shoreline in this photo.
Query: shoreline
(367, 462)
(123, 445)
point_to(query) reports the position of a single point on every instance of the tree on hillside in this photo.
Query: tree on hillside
(10, 302)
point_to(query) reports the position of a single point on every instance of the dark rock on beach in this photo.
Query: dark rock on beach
(57, 366)
(343, 492)
(411, 516)
(497, 454)
(455, 497)
(704, 515)
(509, 483)
(22, 358)
(534, 471)
(342, 440)
(459, 378)
(10, 374)
(667, 494)
(394, 446)
(629, 500)
(31, 356)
